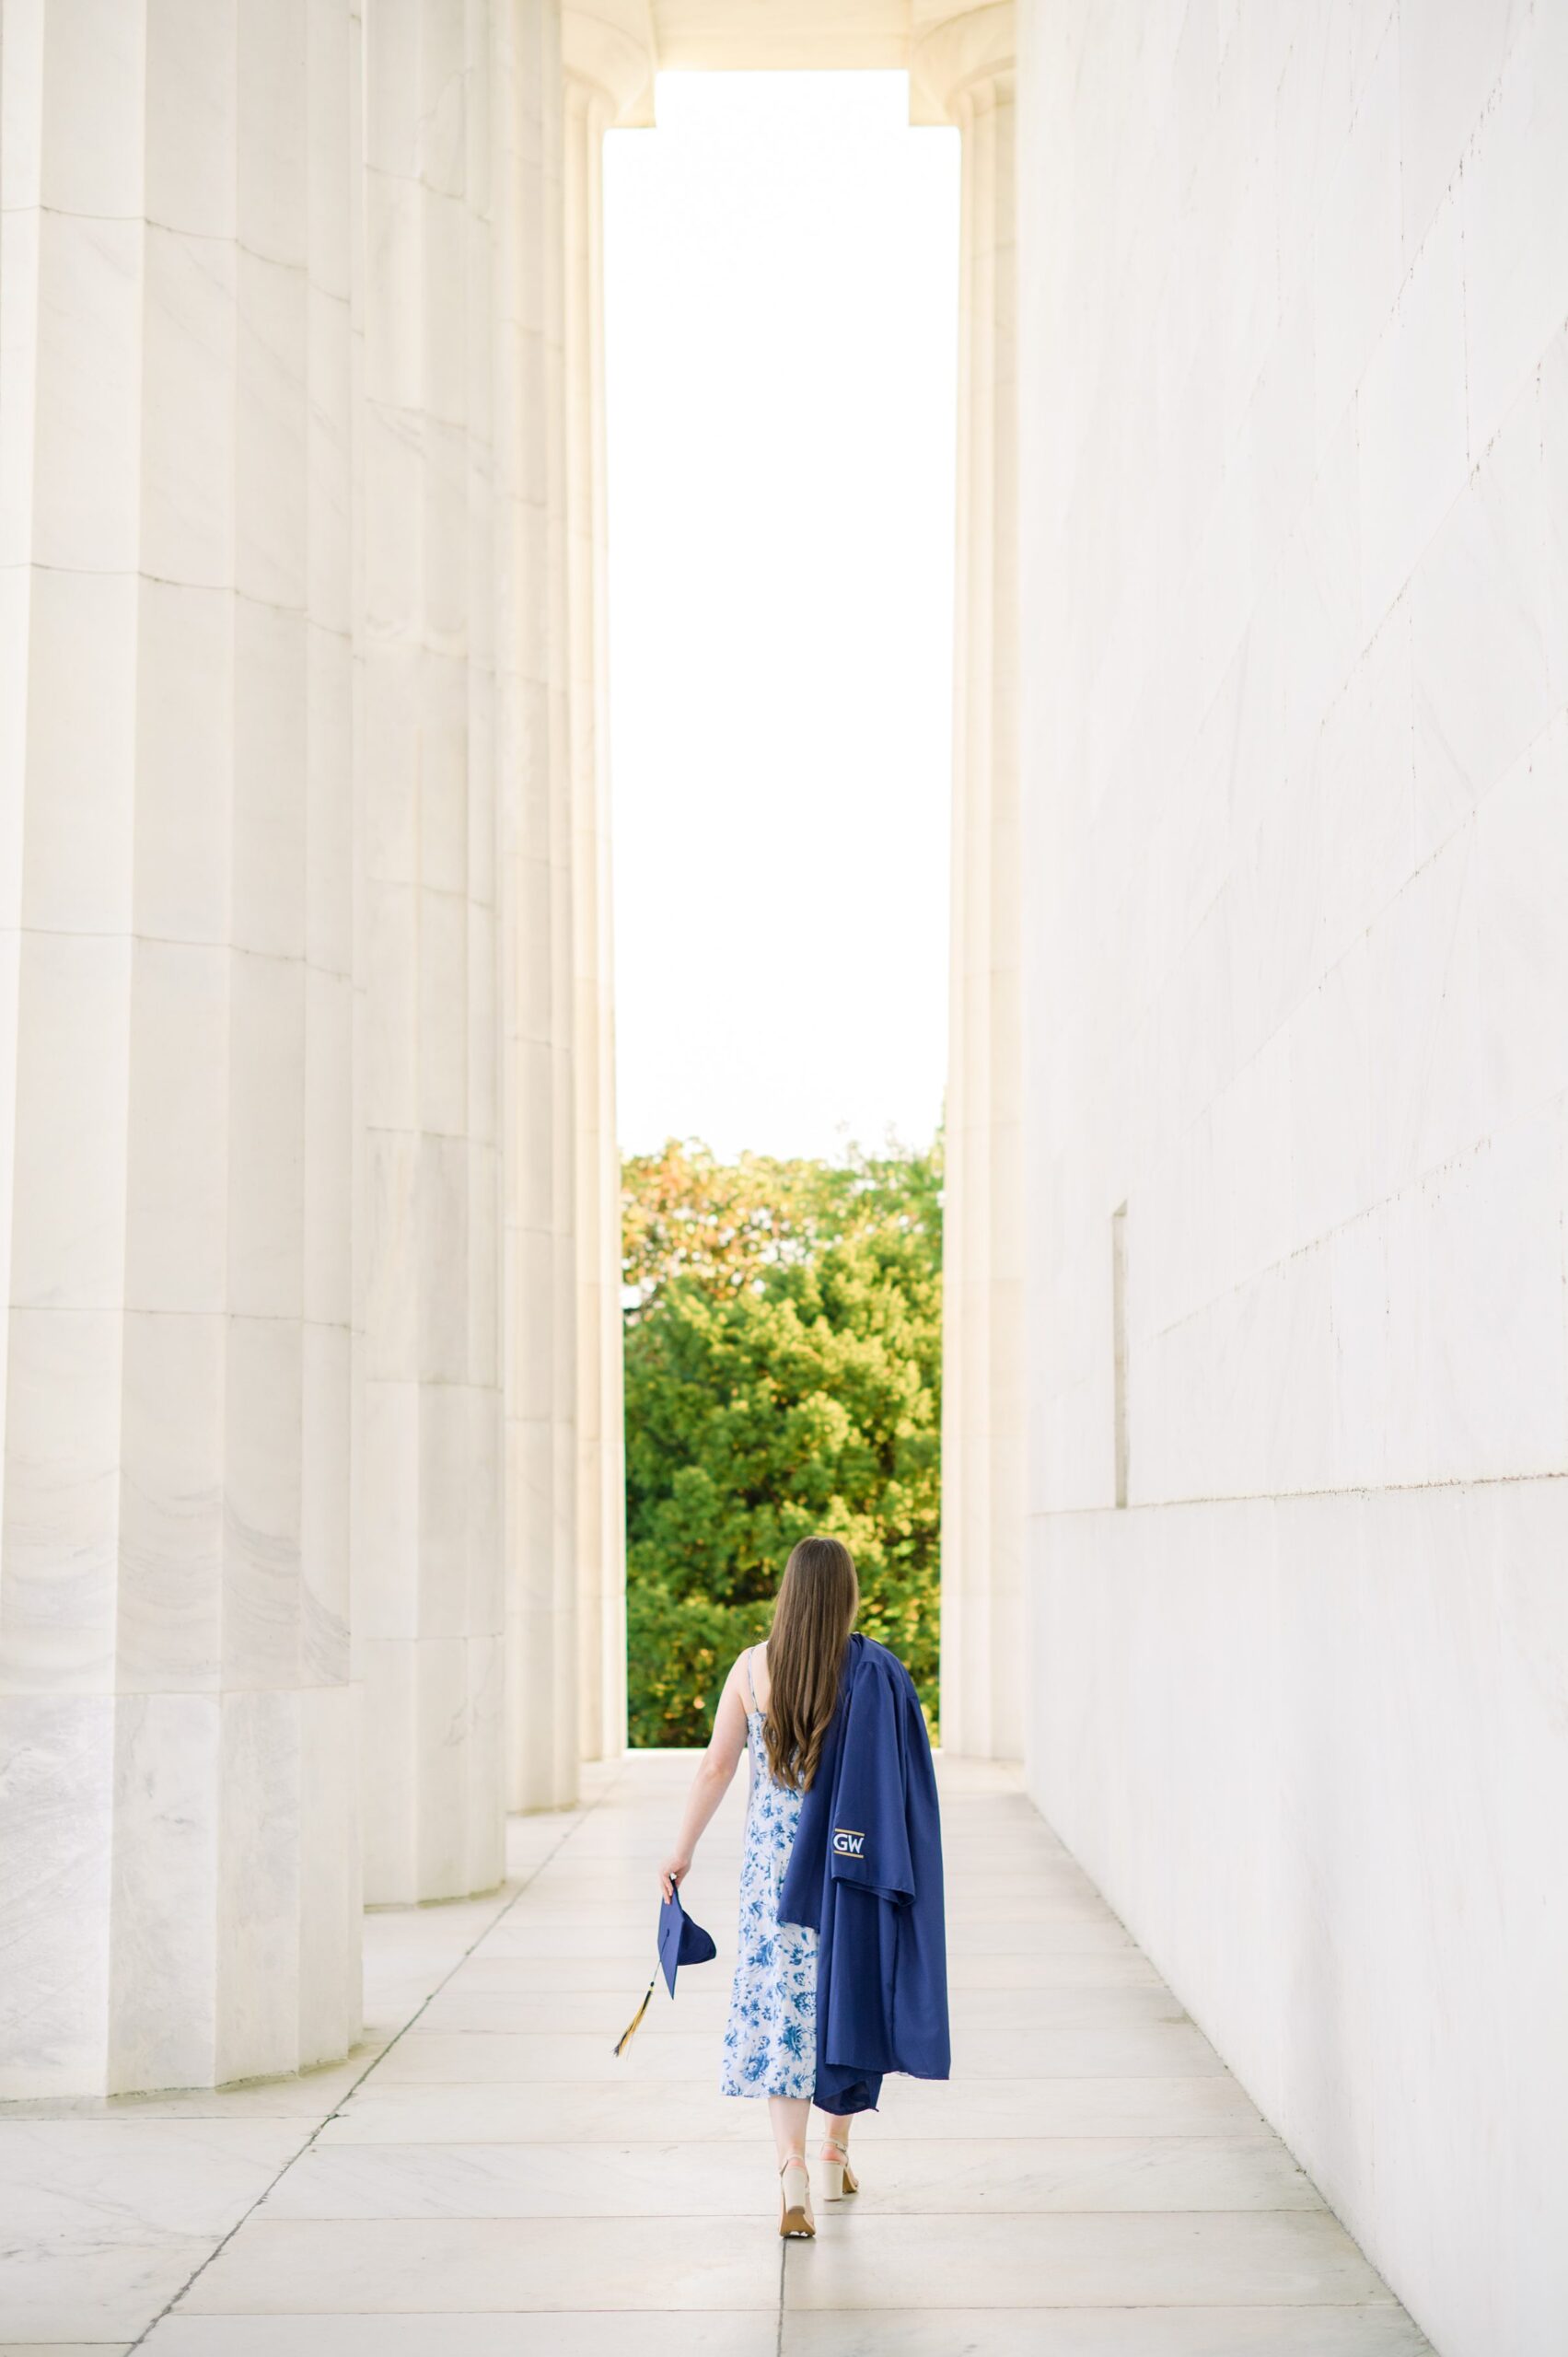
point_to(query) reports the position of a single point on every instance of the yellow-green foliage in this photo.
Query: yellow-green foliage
(783, 1369)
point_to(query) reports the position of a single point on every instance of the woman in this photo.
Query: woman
(841, 1976)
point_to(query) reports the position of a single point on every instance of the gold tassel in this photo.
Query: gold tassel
(624, 2040)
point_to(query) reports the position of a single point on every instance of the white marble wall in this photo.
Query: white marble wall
(1295, 589)
(429, 1598)
(179, 1796)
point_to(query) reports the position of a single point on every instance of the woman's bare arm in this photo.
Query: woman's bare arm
(711, 1782)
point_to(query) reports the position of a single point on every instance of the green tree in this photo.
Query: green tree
(784, 1368)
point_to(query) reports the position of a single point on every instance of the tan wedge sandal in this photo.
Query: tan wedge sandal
(838, 2177)
(794, 2205)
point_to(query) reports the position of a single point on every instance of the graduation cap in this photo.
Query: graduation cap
(680, 1941)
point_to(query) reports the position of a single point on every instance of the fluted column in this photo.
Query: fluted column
(608, 79)
(428, 1564)
(962, 69)
(180, 1891)
(533, 743)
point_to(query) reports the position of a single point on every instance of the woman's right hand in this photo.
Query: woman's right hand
(675, 1869)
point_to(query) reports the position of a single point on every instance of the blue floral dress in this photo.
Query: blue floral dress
(769, 2039)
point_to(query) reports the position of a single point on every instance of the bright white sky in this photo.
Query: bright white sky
(781, 261)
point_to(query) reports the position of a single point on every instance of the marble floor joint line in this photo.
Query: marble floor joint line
(578, 1818)
(1091, 2182)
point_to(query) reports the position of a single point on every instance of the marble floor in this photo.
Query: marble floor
(483, 2177)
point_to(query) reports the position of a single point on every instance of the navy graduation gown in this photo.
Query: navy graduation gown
(865, 1874)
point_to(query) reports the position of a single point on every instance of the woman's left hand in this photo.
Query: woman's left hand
(675, 1869)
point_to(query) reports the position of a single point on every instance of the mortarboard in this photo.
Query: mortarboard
(680, 1941)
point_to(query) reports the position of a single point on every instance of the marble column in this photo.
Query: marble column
(178, 1771)
(609, 80)
(533, 749)
(429, 1600)
(963, 72)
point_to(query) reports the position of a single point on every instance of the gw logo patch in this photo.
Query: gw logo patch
(848, 1844)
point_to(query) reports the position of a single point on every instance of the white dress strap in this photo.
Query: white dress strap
(750, 1687)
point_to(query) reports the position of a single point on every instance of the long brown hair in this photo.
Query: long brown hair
(819, 1597)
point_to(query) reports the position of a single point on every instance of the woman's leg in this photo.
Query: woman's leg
(789, 2115)
(833, 2155)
